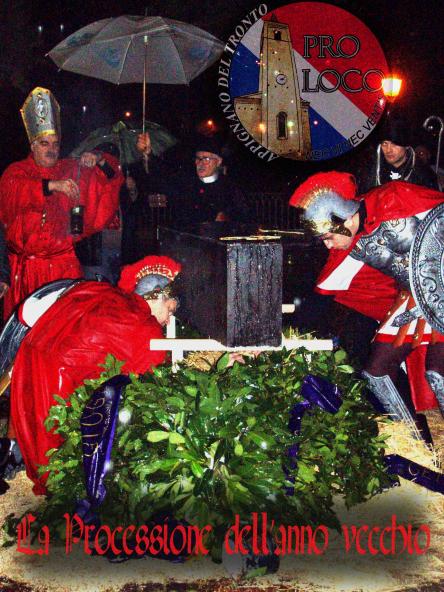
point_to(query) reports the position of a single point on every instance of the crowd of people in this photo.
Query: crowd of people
(49, 205)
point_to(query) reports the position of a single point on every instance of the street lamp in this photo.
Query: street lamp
(207, 127)
(391, 87)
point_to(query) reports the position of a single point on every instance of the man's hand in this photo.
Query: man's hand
(239, 356)
(3, 289)
(66, 186)
(144, 143)
(90, 159)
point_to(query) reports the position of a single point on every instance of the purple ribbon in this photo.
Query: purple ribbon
(321, 392)
(296, 415)
(316, 391)
(98, 424)
(398, 465)
(85, 511)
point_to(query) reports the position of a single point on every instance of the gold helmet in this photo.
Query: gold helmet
(41, 114)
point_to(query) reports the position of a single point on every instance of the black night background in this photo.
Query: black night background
(408, 31)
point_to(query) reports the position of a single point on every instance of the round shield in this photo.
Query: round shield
(427, 268)
(10, 339)
(14, 331)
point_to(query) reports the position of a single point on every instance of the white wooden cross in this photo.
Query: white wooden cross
(178, 347)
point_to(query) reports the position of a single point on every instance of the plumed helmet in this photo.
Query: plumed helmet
(327, 200)
(41, 114)
(150, 277)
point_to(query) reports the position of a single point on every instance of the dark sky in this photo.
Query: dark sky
(409, 31)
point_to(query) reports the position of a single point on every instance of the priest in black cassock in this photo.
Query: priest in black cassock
(208, 195)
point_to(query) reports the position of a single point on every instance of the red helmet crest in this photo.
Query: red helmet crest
(324, 197)
(152, 265)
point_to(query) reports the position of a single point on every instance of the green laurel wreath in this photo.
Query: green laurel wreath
(206, 446)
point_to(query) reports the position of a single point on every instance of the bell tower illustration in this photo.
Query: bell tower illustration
(276, 116)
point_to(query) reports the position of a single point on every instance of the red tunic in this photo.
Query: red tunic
(64, 348)
(37, 229)
(366, 290)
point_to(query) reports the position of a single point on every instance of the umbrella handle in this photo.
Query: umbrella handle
(145, 162)
(144, 156)
(145, 41)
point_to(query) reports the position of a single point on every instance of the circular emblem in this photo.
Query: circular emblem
(281, 79)
(330, 97)
(427, 268)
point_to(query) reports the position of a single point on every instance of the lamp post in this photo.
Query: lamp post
(391, 87)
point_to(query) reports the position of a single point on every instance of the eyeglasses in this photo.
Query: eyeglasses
(205, 159)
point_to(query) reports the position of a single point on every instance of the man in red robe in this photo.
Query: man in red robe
(67, 343)
(36, 198)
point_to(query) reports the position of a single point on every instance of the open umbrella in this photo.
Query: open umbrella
(125, 138)
(138, 49)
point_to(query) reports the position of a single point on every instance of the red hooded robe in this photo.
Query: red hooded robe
(64, 348)
(40, 246)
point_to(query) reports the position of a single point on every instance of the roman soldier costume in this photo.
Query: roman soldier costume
(66, 344)
(393, 215)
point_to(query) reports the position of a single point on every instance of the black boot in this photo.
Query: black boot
(11, 460)
(403, 386)
(424, 430)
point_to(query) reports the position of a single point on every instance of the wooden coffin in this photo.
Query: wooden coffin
(231, 290)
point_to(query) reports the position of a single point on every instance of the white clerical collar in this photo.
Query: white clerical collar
(211, 179)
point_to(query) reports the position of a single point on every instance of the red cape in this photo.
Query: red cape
(65, 347)
(398, 199)
(371, 292)
(37, 227)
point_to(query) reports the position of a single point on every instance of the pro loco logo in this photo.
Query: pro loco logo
(303, 81)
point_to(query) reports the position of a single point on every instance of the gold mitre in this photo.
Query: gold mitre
(41, 114)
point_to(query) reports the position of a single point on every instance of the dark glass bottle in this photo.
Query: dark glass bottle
(76, 220)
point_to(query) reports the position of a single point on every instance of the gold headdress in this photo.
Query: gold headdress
(41, 114)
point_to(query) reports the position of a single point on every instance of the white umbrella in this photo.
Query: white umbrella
(121, 49)
(138, 49)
